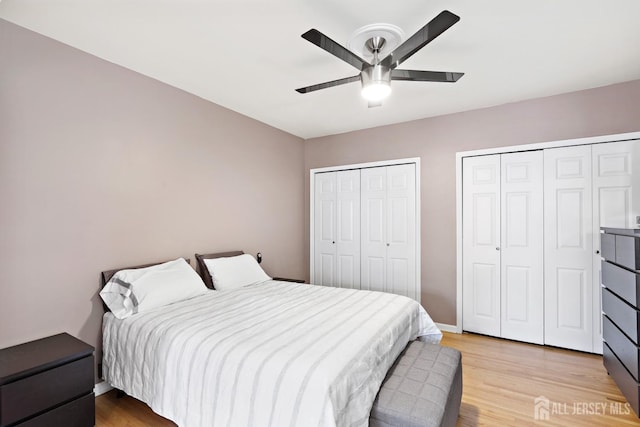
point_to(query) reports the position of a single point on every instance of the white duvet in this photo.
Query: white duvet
(272, 354)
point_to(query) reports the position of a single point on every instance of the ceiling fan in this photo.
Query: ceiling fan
(376, 75)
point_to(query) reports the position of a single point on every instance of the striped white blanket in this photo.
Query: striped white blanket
(272, 354)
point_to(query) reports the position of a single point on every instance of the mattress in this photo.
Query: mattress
(271, 354)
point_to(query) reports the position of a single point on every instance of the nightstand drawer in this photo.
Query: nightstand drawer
(77, 413)
(40, 392)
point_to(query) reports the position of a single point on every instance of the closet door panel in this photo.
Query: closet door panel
(515, 295)
(484, 295)
(325, 199)
(373, 271)
(616, 166)
(572, 289)
(375, 217)
(348, 272)
(401, 233)
(348, 229)
(568, 248)
(325, 270)
(374, 228)
(481, 244)
(522, 249)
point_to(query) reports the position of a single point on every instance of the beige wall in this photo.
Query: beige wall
(101, 168)
(607, 110)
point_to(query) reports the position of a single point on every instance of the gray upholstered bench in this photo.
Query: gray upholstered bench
(423, 388)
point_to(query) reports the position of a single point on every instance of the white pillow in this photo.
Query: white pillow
(140, 289)
(234, 272)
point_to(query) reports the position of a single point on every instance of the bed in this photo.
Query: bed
(270, 353)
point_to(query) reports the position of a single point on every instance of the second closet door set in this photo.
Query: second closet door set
(365, 229)
(530, 239)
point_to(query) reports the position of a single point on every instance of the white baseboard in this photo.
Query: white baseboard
(448, 328)
(101, 388)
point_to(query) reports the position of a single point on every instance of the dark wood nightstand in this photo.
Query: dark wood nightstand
(284, 279)
(47, 382)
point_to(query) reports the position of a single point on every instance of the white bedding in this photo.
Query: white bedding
(271, 354)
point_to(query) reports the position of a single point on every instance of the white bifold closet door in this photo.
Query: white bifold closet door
(337, 229)
(569, 229)
(481, 244)
(616, 203)
(522, 249)
(531, 239)
(503, 245)
(388, 252)
(586, 187)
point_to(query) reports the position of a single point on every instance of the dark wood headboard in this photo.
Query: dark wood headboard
(202, 268)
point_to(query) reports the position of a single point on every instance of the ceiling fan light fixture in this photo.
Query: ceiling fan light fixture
(376, 83)
(375, 92)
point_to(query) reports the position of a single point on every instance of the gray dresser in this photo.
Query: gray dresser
(621, 315)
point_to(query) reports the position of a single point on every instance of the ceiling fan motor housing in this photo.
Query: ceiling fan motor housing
(377, 74)
(376, 82)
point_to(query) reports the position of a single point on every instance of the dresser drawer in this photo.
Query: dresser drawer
(40, 392)
(628, 252)
(77, 413)
(626, 350)
(626, 383)
(622, 282)
(608, 246)
(622, 314)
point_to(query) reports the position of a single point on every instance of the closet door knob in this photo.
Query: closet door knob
(388, 244)
(497, 249)
(597, 252)
(333, 242)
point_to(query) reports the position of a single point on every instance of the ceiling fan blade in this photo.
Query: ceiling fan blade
(329, 84)
(426, 34)
(425, 76)
(324, 42)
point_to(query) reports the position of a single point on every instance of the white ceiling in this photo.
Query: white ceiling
(248, 56)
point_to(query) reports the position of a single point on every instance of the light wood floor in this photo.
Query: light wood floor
(501, 380)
